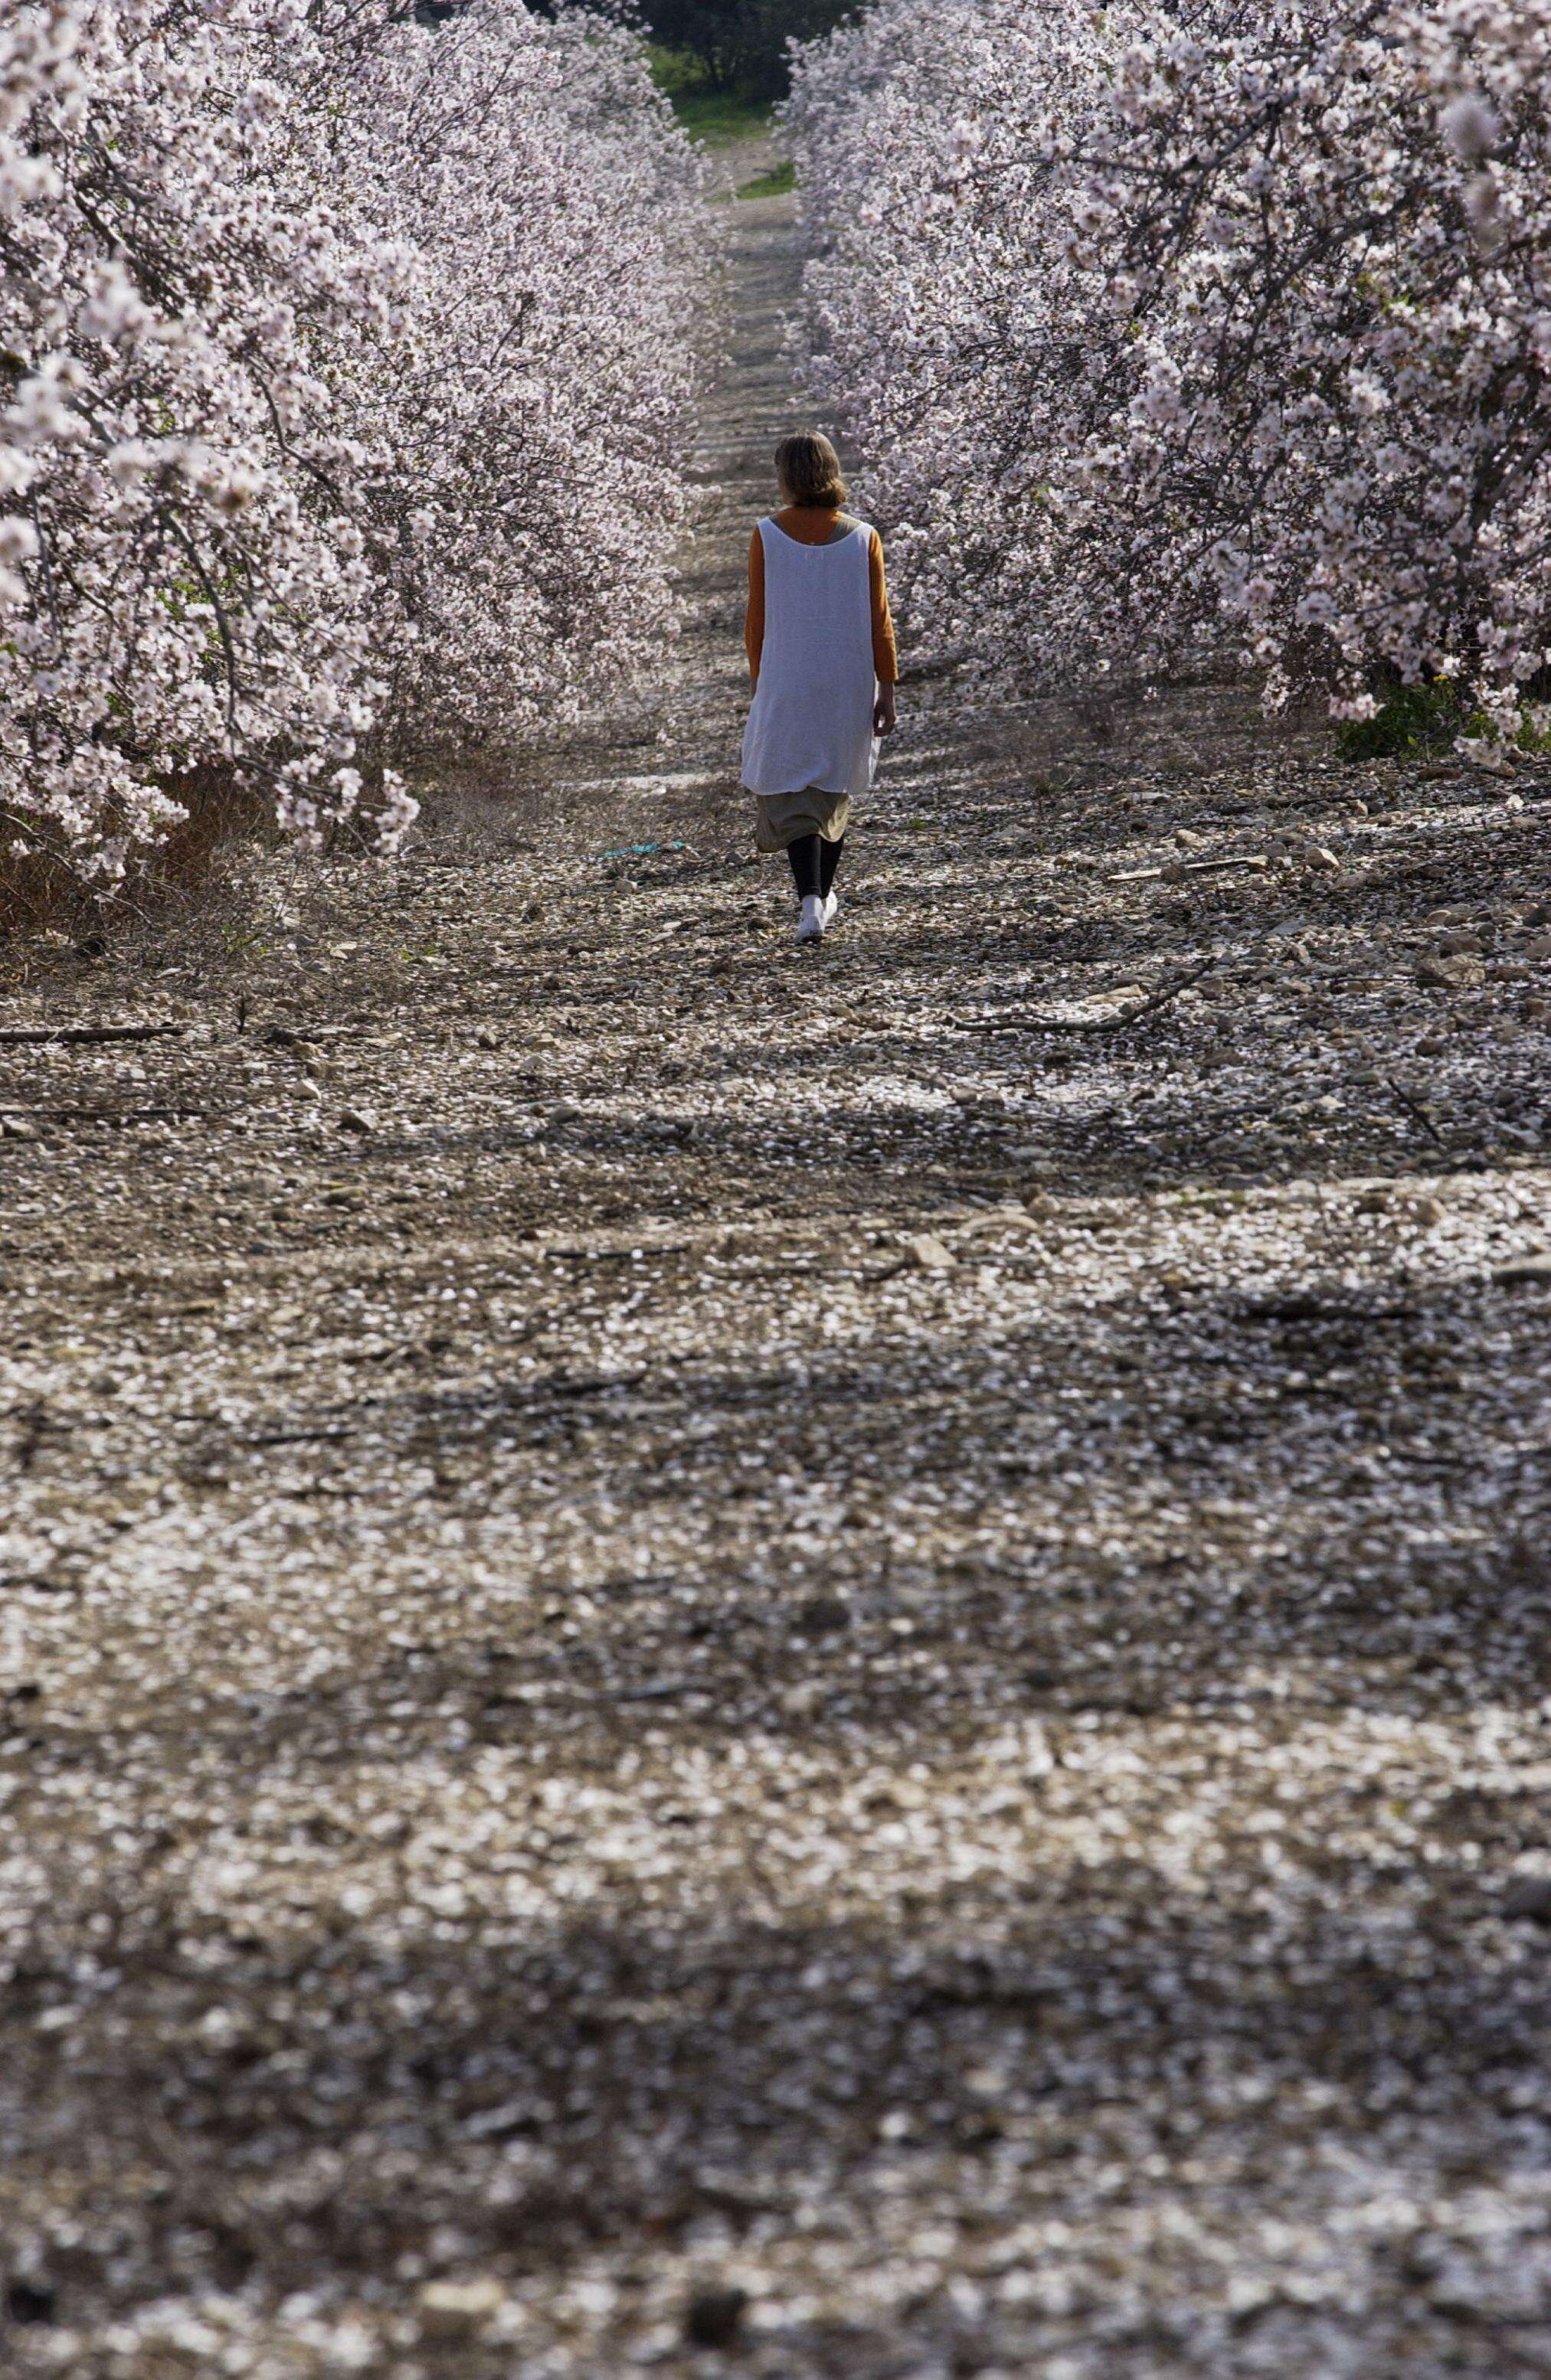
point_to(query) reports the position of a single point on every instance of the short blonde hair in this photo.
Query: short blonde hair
(809, 470)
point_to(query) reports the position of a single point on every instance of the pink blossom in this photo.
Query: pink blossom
(342, 355)
(1242, 323)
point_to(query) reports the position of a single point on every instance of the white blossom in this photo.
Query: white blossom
(338, 358)
(1261, 305)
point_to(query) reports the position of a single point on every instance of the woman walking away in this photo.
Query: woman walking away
(821, 655)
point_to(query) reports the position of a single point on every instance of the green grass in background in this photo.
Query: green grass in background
(1414, 721)
(713, 116)
(774, 184)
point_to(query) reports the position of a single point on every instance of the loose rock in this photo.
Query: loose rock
(714, 2317)
(454, 2312)
(1444, 974)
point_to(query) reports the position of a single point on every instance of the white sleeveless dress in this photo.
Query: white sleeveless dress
(811, 722)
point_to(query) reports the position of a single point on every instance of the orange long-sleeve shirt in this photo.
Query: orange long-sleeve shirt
(810, 525)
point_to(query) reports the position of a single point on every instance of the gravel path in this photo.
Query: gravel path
(714, 1660)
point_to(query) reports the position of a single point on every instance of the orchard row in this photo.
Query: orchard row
(339, 356)
(1218, 331)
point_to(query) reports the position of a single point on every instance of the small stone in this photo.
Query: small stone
(1426, 1212)
(929, 1253)
(1321, 859)
(29, 2300)
(714, 2317)
(1524, 1271)
(1529, 1897)
(1441, 973)
(357, 1120)
(823, 1615)
(1526, 1562)
(17, 1128)
(457, 2311)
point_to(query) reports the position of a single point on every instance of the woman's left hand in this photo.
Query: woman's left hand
(882, 711)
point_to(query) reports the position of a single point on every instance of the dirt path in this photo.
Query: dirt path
(702, 1672)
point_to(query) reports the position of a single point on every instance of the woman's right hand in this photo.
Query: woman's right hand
(882, 711)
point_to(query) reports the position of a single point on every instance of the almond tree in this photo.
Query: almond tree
(336, 354)
(1217, 331)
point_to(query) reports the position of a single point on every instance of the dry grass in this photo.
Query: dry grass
(40, 892)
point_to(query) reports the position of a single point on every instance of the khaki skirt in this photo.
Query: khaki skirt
(784, 817)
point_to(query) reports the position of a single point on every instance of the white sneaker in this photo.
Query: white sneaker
(810, 923)
(830, 909)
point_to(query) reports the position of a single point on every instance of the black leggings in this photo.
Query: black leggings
(814, 863)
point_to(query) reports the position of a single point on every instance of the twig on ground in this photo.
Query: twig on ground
(1189, 868)
(299, 1436)
(14, 1034)
(1148, 1007)
(1413, 1109)
(116, 1115)
(34, 1421)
